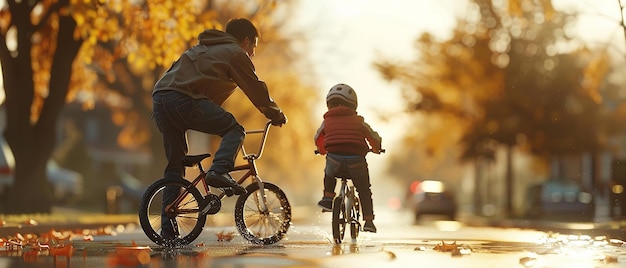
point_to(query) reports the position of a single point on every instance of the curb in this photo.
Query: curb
(613, 229)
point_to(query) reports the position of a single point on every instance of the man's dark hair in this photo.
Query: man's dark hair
(241, 28)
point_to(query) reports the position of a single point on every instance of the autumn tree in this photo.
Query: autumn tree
(503, 80)
(36, 82)
(41, 40)
(130, 77)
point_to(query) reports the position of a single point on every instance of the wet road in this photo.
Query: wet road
(398, 243)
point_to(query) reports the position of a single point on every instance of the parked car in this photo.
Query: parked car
(125, 195)
(67, 184)
(560, 199)
(432, 197)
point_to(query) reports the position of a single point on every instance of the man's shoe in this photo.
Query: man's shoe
(326, 204)
(369, 227)
(224, 181)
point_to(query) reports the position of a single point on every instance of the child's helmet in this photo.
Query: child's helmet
(344, 93)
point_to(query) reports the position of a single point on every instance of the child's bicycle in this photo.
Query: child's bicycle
(346, 210)
(262, 215)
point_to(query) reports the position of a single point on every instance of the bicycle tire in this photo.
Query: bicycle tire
(355, 225)
(339, 219)
(263, 227)
(189, 225)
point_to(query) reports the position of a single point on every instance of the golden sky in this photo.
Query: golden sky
(347, 36)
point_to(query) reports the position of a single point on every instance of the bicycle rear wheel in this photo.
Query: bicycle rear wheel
(185, 221)
(355, 214)
(260, 226)
(339, 219)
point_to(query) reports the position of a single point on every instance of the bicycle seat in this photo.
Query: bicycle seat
(191, 160)
(343, 174)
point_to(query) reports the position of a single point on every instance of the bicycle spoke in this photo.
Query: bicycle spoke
(258, 225)
(179, 217)
(260, 221)
(187, 222)
(263, 223)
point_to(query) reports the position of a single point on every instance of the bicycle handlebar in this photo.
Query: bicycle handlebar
(264, 131)
(267, 126)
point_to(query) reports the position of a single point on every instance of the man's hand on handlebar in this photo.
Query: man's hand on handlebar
(279, 120)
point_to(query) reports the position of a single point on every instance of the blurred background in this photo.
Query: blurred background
(518, 107)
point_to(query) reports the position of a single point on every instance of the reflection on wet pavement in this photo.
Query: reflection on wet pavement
(307, 246)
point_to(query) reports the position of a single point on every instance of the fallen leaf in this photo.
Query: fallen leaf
(31, 222)
(221, 236)
(66, 251)
(443, 247)
(130, 256)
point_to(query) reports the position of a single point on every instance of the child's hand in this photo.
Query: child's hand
(378, 151)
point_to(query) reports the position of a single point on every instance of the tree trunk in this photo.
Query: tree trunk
(32, 143)
(509, 180)
(32, 195)
(478, 202)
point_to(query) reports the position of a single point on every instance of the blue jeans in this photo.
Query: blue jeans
(175, 113)
(354, 168)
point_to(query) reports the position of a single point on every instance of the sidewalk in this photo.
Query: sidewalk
(64, 219)
(601, 226)
(61, 220)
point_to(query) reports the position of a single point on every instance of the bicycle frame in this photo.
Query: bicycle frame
(174, 211)
(250, 166)
(349, 196)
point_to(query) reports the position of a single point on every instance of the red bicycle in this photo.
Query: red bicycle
(262, 215)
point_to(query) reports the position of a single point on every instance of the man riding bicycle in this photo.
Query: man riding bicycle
(190, 93)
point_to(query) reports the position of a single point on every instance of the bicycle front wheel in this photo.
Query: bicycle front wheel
(180, 225)
(339, 219)
(259, 225)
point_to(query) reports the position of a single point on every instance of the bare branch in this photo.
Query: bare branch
(54, 8)
(621, 13)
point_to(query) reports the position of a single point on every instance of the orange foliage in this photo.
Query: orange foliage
(146, 34)
(65, 251)
(131, 256)
(594, 75)
(225, 236)
(57, 243)
(443, 247)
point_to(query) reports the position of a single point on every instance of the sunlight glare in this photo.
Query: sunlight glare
(11, 36)
(448, 226)
(348, 8)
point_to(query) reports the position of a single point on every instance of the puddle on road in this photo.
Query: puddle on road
(78, 249)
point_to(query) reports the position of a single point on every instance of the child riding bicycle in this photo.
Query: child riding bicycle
(345, 138)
